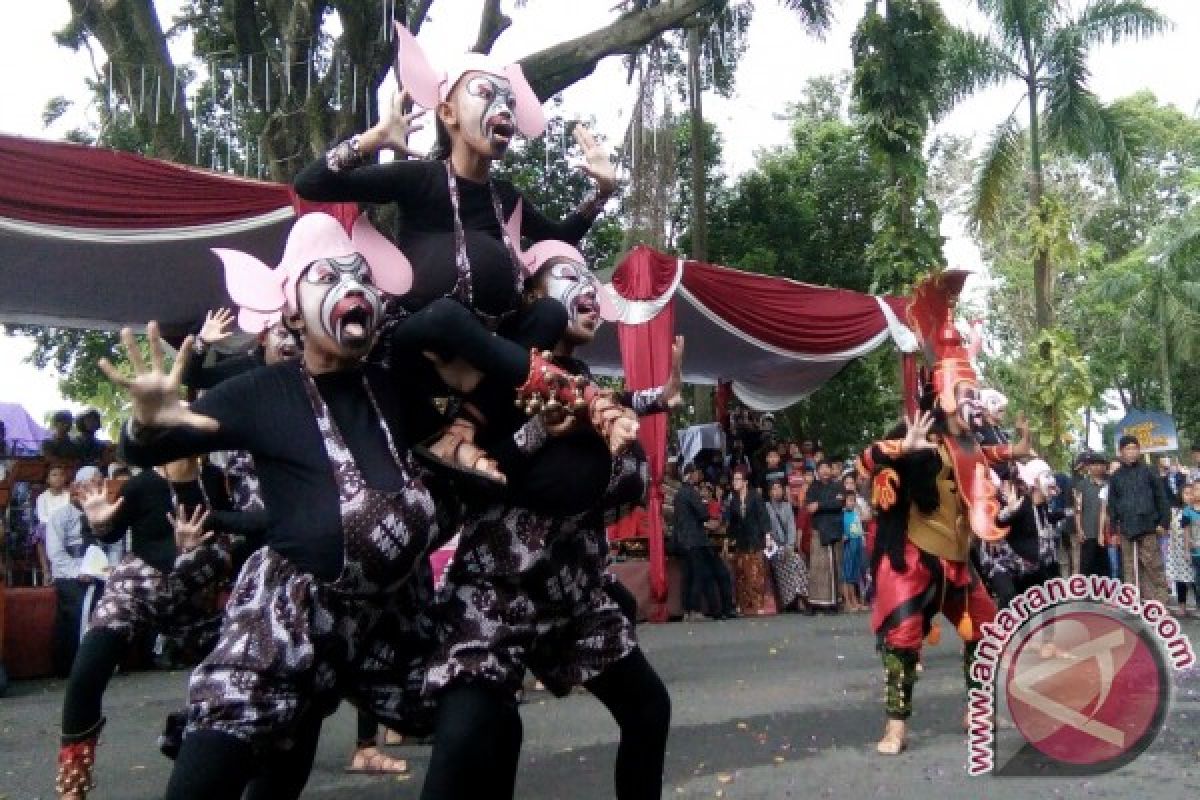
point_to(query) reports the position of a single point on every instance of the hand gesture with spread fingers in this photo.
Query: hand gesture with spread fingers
(189, 530)
(917, 437)
(596, 162)
(153, 391)
(398, 126)
(97, 508)
(216, 326)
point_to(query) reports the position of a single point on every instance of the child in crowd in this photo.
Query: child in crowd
(854, 561)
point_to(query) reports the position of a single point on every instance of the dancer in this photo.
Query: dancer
(331, 605)
(931, 494)
(528, 587)
(453, 227)
(277, 342)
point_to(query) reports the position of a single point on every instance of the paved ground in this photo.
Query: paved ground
(786, 707)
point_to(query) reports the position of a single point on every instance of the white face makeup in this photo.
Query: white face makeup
(575, 286)
(336, 298)
(280, 344)
(970, 409)
(486, 108)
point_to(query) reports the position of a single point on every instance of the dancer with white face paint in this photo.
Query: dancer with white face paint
(466, 268)
(331, 606)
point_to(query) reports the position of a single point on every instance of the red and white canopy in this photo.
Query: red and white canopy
(777, 340)
(95, 238)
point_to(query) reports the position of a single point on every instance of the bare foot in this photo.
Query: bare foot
(893, 741)
(457, 446)
(369, 761)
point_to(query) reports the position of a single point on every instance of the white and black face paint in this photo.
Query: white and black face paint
(280, 344)
(488, 108)
(574, 285)
(970, 408)
(345, 306)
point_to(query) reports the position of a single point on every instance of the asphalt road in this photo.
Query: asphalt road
(783, 707)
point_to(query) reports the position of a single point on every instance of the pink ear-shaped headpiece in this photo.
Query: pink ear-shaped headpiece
(547, 250)
(429, 85)
(264, 294)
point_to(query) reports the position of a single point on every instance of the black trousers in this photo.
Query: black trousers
(1093, 559)
(707, 585)
(68, 594)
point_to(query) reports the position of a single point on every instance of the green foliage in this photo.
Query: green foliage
(806, 211)
(854, 408)
(1060, 388)
(898, 80)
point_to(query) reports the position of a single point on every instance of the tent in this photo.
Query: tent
(22, 433)
(99, 239)
(95, 238)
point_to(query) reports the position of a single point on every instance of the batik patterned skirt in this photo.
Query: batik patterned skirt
(527, 591)
(791, 576)
(293, 645)
(180, 605)
(750, 581)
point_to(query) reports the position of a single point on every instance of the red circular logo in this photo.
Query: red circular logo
(1085, 687)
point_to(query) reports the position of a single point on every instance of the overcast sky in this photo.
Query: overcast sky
(779, 60)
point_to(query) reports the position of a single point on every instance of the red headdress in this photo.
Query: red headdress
(931, 316)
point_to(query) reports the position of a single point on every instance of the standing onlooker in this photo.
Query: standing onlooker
(791, 575)
(825, 503)
(92, 451)
(748, 527)
(1191, 530)
(1179, 561)
(854, 560)
(1089, 516)
(703, 571)
(1172, 479)
(67, 539)
(60, 447)
(53, 497)
(773, 471)
(1194, 471)
(1137, 504)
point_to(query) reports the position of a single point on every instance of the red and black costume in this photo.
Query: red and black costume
(929, 504)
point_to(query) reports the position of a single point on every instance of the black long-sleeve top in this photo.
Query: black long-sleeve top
(198, 375)
(268, 413)
(426, 236)
(146, 501)
(748, 522)
(1137, 500)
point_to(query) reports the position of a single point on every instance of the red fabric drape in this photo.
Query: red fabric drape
(59, 183)
(908, 369)
(792, 316)
(724, 396)
(646, 353)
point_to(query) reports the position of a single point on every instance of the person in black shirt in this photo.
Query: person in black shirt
(528, 588)
(276, 343)
(1140, 512)
(60, 447)
(160, 586)
(92, 451)
(331, 605)
(826, 504)
(453, 226)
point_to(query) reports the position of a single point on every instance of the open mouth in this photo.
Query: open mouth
(587, 305)
(288, 350)
(501, 127)
(352, 318)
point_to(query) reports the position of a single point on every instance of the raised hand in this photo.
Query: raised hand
(189, 531)
(154, 392)
(917, 437)
(97, 508)
(216, 326)
(596, 162)
(673, 389)
(394, 128)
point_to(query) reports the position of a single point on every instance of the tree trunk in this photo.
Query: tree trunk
(1043, 278)
(699, 204)
(1164, 353)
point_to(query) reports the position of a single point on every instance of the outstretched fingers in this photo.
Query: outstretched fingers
(181, 360)
(156, 350)
(132, 351)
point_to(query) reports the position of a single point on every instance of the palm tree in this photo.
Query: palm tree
(1039, 44)
(1159, 282)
